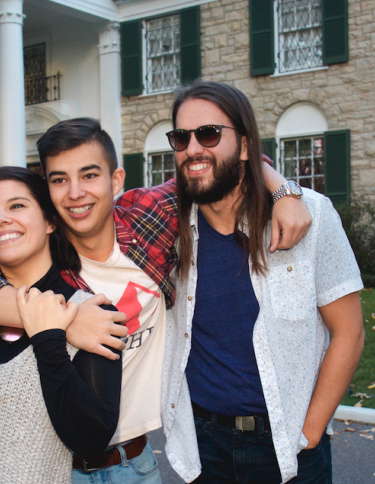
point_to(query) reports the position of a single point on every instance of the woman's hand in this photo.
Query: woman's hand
(42, 311)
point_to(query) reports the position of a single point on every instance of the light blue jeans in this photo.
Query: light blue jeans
(139, 470)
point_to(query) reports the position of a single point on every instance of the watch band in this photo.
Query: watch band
(285, 190)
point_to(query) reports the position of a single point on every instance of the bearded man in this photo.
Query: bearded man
(268, 341)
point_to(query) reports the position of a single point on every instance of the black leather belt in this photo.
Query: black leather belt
(248, 423)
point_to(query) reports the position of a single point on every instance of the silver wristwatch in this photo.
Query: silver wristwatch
(290, 188)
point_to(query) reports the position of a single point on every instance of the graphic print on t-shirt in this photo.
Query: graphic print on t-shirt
(130, 305)
(130, 289)
(133, 292)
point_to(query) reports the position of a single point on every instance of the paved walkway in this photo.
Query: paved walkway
(353, 455)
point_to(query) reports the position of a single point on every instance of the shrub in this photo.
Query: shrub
(358, 219)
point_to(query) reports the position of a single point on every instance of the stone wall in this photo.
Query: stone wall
(344, 92)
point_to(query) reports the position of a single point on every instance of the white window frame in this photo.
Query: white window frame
(147, 83)
(277, 72)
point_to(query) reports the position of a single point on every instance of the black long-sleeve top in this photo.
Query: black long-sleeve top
(82, 396)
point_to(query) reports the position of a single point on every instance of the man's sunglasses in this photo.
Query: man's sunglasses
(207, 136)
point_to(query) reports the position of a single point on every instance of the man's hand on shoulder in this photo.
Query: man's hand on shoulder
(290, 218)
(94, 327)
(290, 222)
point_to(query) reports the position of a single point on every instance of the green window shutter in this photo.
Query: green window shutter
(269, 148)
(262, 56)
(131, 58)
(133, 165)
(190, 44)
(335, 31)
(337, 165)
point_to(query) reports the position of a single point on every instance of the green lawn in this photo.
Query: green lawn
(365, 374)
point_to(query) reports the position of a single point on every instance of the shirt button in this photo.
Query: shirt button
(172, 405)
(289, 268)
(134, 241)
(186, 335)
(190, 298)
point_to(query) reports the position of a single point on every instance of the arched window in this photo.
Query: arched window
(159, 155)
(299, 135)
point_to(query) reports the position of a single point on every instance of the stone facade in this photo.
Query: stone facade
(345, 93)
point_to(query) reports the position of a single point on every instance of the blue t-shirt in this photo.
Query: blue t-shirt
(222, 371)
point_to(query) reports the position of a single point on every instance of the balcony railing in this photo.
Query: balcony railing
(42, 89)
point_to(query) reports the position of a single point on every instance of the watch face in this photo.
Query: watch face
(295, 188)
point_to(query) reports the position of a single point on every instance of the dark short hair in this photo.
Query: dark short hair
(69, 134)
(62, 251)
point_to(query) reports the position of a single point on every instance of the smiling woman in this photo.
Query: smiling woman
(43, 382)
(24, 235)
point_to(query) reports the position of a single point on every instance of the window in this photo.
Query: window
(299, 34)
(161, 168)
(38, 87)
(156, 164)
(302, 160)
(294, 35)
(159, 54)
(34, 60)
(162, 54)
(305, 151)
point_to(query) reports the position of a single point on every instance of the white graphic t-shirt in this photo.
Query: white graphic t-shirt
(133, 292)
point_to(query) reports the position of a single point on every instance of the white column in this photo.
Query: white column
(110, 84)
(12, 90)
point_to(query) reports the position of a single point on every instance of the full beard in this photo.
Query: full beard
(226, 177)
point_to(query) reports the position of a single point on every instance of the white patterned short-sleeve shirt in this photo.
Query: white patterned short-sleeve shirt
(290, 338)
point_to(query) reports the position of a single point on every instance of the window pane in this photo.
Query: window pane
(168, 175)
(290, 149)
(289, 159)
(169, 162)
(305, 147)
(300, 34)
(319, 184)
(289, 168)
(169, 80)
(304, 167)
(157, 163)
(305, 182)
(157, 179)
(318, 166)
(163, 54)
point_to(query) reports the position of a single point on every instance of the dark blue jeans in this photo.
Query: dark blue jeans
(232, 456)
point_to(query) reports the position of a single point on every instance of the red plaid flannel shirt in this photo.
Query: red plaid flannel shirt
(146, 226)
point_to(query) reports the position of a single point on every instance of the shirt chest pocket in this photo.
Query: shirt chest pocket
(292, 290)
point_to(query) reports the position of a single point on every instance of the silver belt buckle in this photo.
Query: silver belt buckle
(245, 423)
(87, 467)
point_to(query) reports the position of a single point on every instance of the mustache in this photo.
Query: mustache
(201, 158)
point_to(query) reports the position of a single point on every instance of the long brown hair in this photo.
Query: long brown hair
(255, 205)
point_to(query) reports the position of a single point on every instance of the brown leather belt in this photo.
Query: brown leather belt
(111, 457)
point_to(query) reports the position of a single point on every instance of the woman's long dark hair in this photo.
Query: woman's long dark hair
(255, 205)
(62, 251)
